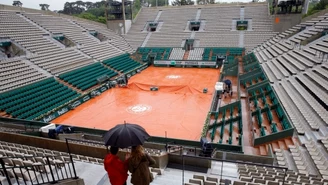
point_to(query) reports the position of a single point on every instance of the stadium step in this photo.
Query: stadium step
(144, 43)
(242, 13)
(118, 72)
(263, 150)
(69, 85)
(199, 11)
(186, 54)
(158, 16)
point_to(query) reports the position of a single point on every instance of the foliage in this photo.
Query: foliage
(201, 2)
(44, 6)
(206, 125)
(315, 7)
(182, 2)
(17, 3)
(95, 11)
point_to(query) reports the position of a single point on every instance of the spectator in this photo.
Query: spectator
(117, 170)
(139, 163)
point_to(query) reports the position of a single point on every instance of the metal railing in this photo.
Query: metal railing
(30, 170)
(220, 176)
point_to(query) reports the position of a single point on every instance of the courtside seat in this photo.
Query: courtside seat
(122, 63)
(32, 101)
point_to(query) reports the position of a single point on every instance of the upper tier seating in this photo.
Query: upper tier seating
(113, 38)
(99, 51)
(33, 100)
(216, 26)
(15, 27)
(60, 25)
(122, 63)
(86, 77)
(79, 35)
(61, 61)
(14, 73)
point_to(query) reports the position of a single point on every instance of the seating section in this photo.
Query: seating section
(177, 54)
(122, 63)
(19, 30)
(113, 38)
(217, 26)
(61, 61)
(136, 35)
(268, 116)
(196, 54)
(161, 53)
(101, 51)
(86, 77)
(211, 53)
(255, 174)
(172, 23)
(31, 101)
(15, 73)
(227, 120)
(89, 44)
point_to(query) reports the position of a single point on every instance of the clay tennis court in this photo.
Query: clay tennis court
(179, 107)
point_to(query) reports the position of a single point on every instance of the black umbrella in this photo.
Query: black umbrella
(125, 135)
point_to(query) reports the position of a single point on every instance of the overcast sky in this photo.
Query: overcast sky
(59, 4)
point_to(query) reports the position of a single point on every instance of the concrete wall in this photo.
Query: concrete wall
(285, 21)
(245, 158)
(177, 159)
(51, 144)
(115, 26)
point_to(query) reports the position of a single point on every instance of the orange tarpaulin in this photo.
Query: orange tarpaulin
(179, 107)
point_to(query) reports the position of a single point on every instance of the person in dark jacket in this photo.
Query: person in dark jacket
(139, 163)
(117, 170)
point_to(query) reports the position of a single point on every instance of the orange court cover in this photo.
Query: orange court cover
(179, 107)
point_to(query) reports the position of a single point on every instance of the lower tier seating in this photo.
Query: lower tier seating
(122, 63)
(86, 77)
(33, 100)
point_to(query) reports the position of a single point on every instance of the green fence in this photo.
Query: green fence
(274, 137)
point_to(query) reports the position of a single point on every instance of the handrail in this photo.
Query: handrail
(51, 169)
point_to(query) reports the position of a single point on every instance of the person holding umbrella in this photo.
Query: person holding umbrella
(139, 163)
(126, 135)
(117, 170)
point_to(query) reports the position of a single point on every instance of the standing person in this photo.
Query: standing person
(139, 163)
(117, 170)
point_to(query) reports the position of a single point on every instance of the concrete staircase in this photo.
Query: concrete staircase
(158, 16)
(185, 56)
(199, 11)
(241, 39)
(242, 13)
(146, 40)
(69, 85)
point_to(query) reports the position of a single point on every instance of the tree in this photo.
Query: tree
(88, 5)
(201, 2)
(182, 2)
(44, 6)
(17, 3)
